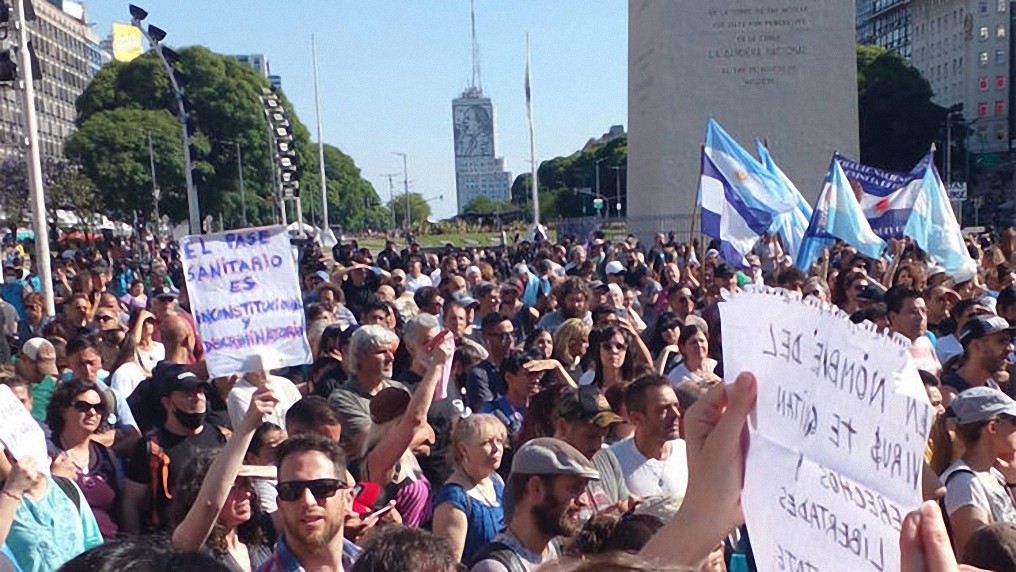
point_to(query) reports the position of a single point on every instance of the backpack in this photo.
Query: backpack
(500, 553)
(158, 468)
(941, 502)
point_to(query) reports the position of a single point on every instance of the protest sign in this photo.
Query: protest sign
(245, 296)
(19, 433)
(837, 437)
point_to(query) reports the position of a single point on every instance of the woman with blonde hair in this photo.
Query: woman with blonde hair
(571, 341)
(467, 509)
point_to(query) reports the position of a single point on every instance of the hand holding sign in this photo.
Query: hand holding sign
(25, 476)
(837, 435)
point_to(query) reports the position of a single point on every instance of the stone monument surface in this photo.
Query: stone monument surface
(782, 70)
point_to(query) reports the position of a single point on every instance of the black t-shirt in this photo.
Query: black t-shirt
(956, 381)
(358, 296)
(181, 451)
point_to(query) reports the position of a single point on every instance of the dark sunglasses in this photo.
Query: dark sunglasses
(322, 489)
(83, 406)
(613, 346)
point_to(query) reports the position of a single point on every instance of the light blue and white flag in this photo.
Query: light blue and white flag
(755, 185)
(736, 224)
(838, 215)
(790, 225)
(933, 226)
(887, 197)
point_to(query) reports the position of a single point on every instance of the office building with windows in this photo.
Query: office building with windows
(885, 23)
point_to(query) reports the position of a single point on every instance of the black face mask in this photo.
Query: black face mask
(190, 420)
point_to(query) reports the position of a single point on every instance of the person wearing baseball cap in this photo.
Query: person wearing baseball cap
(987, 342)
(615, 272)
(584, 418)
(37, 365)
(977, 493)
(542, 502)
(160, 457)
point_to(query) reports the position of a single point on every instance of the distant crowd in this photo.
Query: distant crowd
(541, 405)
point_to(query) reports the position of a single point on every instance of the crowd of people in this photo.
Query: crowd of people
(585, 424)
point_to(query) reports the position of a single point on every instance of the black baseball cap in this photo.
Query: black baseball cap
(174, 377)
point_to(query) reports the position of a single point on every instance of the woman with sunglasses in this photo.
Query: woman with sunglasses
(618, 357)
(663, 342)
(75, 412)
(223, 518)
(571, 342)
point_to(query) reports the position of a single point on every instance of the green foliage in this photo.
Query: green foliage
(488, 206)
(558, 177)
(419, 210)
(126, 100)
(898, 121)
(65, 184)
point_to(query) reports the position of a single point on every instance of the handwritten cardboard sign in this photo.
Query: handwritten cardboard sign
(19, 433)
(245, 294)
(837, 437)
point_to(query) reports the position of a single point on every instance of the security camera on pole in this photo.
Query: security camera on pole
(169, 58)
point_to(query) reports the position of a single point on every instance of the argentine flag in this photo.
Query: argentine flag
(726, 217)
(790, 225)
(933, 225)
(838, 215)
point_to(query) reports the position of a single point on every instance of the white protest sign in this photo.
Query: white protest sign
(837, 436)
(245, 295)
(19, 433)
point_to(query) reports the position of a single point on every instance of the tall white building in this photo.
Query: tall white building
(479, 172)
(69, 56)
(962, 47)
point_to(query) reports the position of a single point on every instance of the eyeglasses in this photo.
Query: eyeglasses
(322, 489)
(83, 406)
(613, 346)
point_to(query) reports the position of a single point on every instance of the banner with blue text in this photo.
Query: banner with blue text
(245, 296)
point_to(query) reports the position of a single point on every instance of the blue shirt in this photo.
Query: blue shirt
(513, 414)
(483, 521)
(283, 559)
(48, 532)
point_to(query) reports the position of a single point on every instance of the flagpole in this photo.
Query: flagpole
(532, 137)
(321, 143)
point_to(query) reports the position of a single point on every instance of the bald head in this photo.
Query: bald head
(175, 332)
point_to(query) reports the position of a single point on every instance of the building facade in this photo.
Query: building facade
(963, 49)
(69, 56)
(260, 63)
(479, 172)
(885, 23)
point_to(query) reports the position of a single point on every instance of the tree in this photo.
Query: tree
(126, 100)
(898, 121)
(419, 210)
(65, 186)
(488, 206)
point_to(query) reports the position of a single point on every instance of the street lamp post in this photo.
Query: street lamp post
(193, 209)
(617, 189)
(405, 193)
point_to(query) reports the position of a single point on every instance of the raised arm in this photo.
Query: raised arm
(191, 534)
(380, 462)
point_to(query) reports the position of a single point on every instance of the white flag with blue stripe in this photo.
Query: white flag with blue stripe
(736, 224)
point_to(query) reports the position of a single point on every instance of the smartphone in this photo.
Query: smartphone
(379, 513)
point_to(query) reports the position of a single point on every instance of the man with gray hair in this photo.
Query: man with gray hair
(416, 334)
(371, 355)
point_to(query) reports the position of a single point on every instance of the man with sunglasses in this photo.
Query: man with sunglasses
(313, 497)
(483, 381)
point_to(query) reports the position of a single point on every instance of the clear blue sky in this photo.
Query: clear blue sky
(389, 70)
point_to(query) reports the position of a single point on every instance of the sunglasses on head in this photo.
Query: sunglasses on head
(322, 489)
(83, 406)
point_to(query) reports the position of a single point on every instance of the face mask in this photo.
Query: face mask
(190, 420)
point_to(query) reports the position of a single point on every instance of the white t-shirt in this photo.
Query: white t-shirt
(150, 357)
(680, 373)
(923, 354)
(414, 284)
(127, 377)
(239, 400)
(985, 490)
(652, 477)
